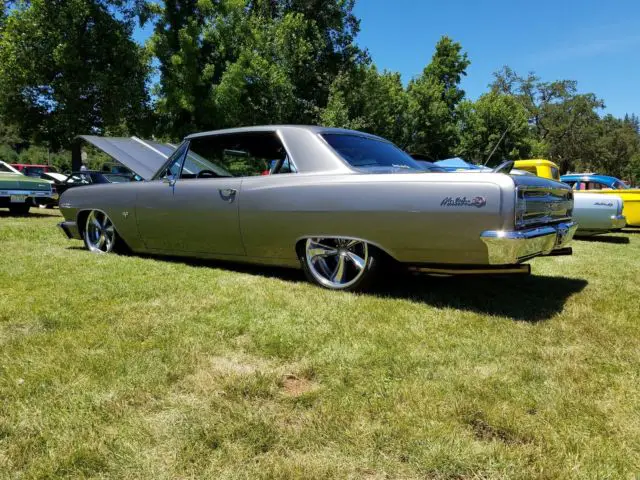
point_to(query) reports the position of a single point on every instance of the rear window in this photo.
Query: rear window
(370, 154)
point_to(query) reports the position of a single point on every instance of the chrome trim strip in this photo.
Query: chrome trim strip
(28, 193)
(524, 268)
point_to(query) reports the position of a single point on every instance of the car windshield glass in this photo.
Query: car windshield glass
(369, 153)
(118, 178)
(618, 185)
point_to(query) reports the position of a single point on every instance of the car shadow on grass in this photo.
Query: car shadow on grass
(605, 239)
(528, 298)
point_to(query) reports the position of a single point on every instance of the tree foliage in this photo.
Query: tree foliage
(232, 62)
(433, 98)
(69, 67)
(492, 129)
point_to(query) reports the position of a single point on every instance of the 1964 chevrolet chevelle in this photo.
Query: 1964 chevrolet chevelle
(334, 202)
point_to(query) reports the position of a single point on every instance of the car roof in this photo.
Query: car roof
(589, 177)
(530, 162)
(261, 128)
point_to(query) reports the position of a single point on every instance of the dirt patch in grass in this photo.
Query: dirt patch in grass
(483, 430)
(294, 386)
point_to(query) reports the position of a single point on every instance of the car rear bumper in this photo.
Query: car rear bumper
(511, 247)
(7, 197)
(618, 222)
(70, 230)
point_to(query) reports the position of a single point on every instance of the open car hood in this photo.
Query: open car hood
(143, 157)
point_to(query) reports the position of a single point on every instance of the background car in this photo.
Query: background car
(94, 177)
(19, 192)
(607, 185)
(337, 203)
(33, 170)
(593, 214)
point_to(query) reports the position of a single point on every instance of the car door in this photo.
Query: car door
(188, 214)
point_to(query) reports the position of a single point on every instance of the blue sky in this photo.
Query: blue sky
(594, 42)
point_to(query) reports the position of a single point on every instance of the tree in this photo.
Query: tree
(618, 146)
(564, 121)
(70, 67)
(237, 62)
(432, 101)
(494, 121)
(370, 101)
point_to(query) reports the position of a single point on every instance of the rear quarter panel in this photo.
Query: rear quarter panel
(631, 200)
(593, 212)
(403, 214)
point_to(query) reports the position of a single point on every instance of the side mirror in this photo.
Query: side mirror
(170, 180)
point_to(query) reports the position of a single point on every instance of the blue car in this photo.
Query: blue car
(592, 181)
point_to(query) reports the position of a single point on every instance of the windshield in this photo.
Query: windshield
(618, 185)
(370, 154)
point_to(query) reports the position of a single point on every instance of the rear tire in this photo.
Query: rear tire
(339, 263)
(19, 209)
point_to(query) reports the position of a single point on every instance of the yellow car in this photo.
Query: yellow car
(539, 167)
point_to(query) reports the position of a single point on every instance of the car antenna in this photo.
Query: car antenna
(496, 146)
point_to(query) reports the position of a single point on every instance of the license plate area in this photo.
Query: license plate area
(18, 198)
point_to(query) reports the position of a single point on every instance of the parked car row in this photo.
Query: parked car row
(340, 204)
(25, 186)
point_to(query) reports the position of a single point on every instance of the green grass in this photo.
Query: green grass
(131, 367)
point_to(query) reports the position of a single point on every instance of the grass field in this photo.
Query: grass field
(132, 367)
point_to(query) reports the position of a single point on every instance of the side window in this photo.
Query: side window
(236, 155)
(555, 174)
(594, 186)
(5, 169)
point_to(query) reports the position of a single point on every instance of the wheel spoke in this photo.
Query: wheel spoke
(351, 244)
(96, 223)
(316, 249)
(357, 260)
(100, 241)
(340, 271)
(322, 264)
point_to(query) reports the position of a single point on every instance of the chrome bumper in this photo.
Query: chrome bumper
(618, 222)
(511, 247)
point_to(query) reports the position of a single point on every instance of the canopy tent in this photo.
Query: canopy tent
(144, 157)
(457, 163)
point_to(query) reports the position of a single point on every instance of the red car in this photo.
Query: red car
(33, 170)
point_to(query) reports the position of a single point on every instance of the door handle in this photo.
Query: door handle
(228, 194)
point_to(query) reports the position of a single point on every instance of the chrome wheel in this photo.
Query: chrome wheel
(336, 263)
(99, 233)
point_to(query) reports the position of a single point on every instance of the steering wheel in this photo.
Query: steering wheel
(206, 174)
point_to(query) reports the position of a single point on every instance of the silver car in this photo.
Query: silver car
(336, 203)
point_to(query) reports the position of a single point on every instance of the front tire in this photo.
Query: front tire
(99, 234)
(339, 263)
